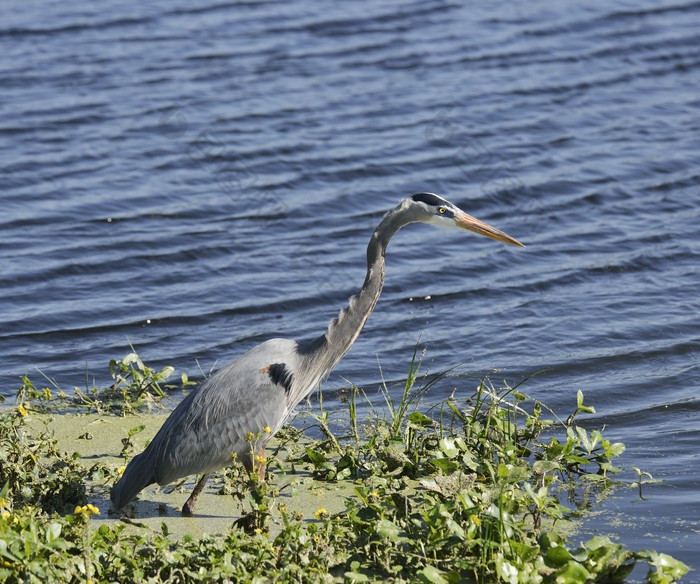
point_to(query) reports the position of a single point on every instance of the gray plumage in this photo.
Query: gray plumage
(261, 388)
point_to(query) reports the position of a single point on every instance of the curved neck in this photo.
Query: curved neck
(327, 350)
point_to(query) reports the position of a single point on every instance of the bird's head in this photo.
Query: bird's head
(433, 209)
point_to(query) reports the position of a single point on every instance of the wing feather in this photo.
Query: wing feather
(211, 424)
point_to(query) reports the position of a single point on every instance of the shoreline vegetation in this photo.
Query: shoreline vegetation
(487, 488)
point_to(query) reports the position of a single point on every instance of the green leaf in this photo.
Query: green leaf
(572, 573)
(133, 358)
(545, 466)
(433, 575)
(445, 465)
(456, 529)
(593, 478)
(507, 571)
(135, 430)
(388, 530)
(615, 449)
(581, 407)
(448, 447)
(514, 473)
(356, 577)
(607, 467)
(526, 553)
(419, 419)
(611, 561)
(663, 569)
(464, 497)
(53, 531)
(503, 471)
(558, 556)
(575, 459)
(316, 457)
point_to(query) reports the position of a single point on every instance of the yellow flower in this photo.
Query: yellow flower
(120, 471)
(267, 430)
(86, 511)
(475, 520)
(322, 513)
(250, 437)
(47, 393)
(5, 514)
(260, 459)
(21, 410)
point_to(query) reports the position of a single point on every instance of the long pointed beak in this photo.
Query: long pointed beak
(473, 224)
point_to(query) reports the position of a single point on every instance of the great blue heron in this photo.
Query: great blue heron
(255, 395)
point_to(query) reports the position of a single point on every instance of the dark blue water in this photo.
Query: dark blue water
(193, 180)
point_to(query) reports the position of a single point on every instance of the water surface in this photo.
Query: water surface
(194, 180)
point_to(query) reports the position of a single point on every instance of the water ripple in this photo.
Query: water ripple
(194, 179)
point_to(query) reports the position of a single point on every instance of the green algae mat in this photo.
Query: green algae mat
(99, 440)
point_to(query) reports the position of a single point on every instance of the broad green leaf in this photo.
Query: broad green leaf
(575, 459)
(315, 457)
(448, 447)
(615, 449)
(663, 569)
(456, 528)
(133, 358)
(419, 419)
(53, 531)
(388, 530)
(545, 466)
(558, 556)
(166, 372)
(445, 465)
(356, 577)
(507, 571)
(573, 573)
(433, 575)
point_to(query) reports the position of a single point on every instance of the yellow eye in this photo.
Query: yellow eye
(442, 210)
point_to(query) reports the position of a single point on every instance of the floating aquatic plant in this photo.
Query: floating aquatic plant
(469, 490)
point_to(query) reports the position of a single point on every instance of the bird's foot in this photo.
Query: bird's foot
(188, 507)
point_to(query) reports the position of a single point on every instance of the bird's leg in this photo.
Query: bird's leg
(188, 507)
(260, 463)
(255, 463)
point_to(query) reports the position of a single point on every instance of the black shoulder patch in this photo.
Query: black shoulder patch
(429, 199)
(280, 375)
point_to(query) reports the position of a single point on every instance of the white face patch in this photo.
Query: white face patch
(442, 221)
